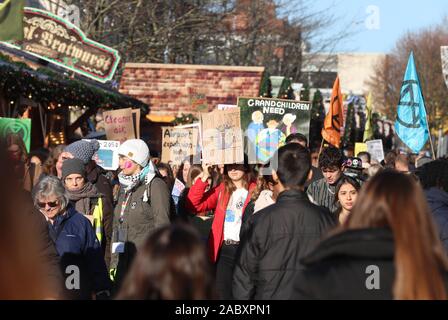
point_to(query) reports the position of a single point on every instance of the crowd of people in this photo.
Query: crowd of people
(291, 228)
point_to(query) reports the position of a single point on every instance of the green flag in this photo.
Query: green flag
(11, 20)
(368, 130)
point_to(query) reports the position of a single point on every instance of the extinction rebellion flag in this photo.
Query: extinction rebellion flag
(11, 20)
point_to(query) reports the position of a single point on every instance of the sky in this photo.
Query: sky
(382, 22)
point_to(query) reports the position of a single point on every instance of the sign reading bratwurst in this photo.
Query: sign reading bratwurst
(58, 41)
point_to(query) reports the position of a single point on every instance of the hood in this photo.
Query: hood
(373, 243)
(436, 198)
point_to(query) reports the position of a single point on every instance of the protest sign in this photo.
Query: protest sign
(177, 188)
(18, 126)
(360, 147)
(136, 121)
(119, 124)
(267, 122)
(222, 139)
(375, 148)
(107, 155)
(179, 143)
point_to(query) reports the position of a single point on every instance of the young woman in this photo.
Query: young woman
(388, 249)
(228, 200)
(346, 193)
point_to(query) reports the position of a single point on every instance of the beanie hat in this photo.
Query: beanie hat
(71, 166)
(83, 150)
(136, 150)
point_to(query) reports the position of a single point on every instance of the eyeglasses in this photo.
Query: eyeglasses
(52, 204)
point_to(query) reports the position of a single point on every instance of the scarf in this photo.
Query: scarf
(81, 198)
(145, 176)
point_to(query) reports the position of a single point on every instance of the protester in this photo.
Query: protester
(86, 199)
(262, 197)
(144, 205)
(322, 192)
(38, 156)
(346, 193)
(389, 160)
(302, 140)
(75, 241)
(365, 159)
(228, 200)
(353, 167)
(402, 163)
(85, 150)
(27, 172)
(172, 264)
(182, 173)
(374, 169)
(434, 180)
(166, 173)
(284, 232)
(382, 249)
(50, 166)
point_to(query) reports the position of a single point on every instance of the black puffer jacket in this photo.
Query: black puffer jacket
(338, 267)
(269, 256)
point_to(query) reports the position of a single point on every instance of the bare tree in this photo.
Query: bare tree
(386, 84)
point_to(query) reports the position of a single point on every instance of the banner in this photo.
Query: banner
(179, 143)
(222, 139)
(225, 106)
(11, 20)
(411, 125)
(119, 124)
(375, 148)
(19, 126)
(331, 132)
(444, 54)
(267, 122)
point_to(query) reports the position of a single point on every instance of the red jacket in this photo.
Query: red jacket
(215, 199)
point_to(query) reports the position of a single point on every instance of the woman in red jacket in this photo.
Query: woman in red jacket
(228, 200)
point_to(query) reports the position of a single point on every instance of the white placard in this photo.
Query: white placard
(375, 148)
(107, 155)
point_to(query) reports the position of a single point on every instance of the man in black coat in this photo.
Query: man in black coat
(283, 233)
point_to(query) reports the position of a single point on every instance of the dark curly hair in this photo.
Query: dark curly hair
(434, 174)
(331, 157)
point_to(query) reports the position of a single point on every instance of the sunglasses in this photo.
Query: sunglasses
(53, 204)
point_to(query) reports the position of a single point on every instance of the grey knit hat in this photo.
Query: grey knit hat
(83, 150)
(71, 166)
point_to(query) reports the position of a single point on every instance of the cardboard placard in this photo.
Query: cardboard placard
(267, 122)
(375, 148)
(136, 114)
(179, 143)
(360, 147)
(222, 138)
(119, 124)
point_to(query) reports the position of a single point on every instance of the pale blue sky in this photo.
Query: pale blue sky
(395, 18)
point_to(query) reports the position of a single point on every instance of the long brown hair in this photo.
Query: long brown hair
(172, 264)
(15, 138)
(229, 186)
(49, 165)
(394, 200)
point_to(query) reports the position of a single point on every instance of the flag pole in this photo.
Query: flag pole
(321, 146)
(429, 131)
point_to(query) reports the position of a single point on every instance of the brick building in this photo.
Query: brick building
(174, 89)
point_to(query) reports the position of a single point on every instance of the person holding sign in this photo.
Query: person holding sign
(143, 206)
(228, 200)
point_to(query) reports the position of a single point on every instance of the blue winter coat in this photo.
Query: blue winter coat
(77, 245)
(438, 202)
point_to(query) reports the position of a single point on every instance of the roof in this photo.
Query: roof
(173, 89)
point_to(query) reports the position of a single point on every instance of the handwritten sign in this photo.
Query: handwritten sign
(179, 143)
(119, 124)
(222, 139)
(107, 155)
